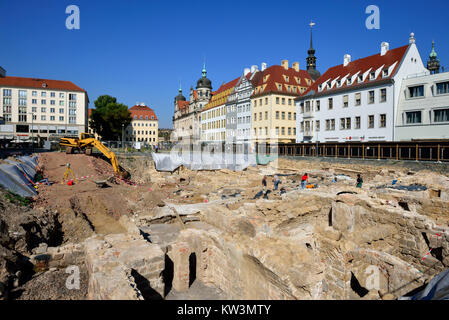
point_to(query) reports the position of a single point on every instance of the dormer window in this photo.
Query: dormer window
(279, 87)
(286, 79)
(372, 76)
(385, 73)
(329, 85)
(349, 81)
(320, 87)
(361, 78)
(339, 83)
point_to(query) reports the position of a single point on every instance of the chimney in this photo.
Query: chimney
(2, 72)
(246, 71)
(284, 63)
(263, 66)
(384, 47)
(254, 68)
(346, 59)
(295, 66)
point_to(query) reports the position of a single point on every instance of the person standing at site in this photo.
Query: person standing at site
(304, 180)
(264, 184)
(276, 182)
(359, 181)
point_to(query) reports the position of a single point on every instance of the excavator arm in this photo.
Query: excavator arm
(91, 142)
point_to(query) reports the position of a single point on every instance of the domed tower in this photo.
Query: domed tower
(179, 97)
(433, 65)
(204, 87)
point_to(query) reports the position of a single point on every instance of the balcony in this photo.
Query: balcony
(308, 133)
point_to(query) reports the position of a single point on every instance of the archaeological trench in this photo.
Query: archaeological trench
(209, 234)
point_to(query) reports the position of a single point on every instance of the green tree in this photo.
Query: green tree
(108, 117)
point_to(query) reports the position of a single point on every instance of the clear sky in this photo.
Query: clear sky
(138, 51)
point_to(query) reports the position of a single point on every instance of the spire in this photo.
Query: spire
(180, 87)
(204, 68)
(433, 65)
(311, 59)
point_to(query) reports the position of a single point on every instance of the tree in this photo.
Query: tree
(108, 117)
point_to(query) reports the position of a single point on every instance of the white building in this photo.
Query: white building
(41, 108)
(356, 101)
(423, 110)
(238, 116)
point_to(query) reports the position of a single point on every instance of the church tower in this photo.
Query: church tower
(433, 65)
(311, 59)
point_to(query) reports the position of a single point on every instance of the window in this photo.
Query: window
(72, 96)
(348, 123)
(61, 103)
(413, 117)
(357, 122)
(61, 95)
(294, 131)
(360, 78)
(277, 100)
(277, 115)
(358, 99)
(383, 121)
(260, 115)
(283, 131)
(22, 94)
(34, 93)
(317, 125)
(266, 115)
(385, 73)
(342, 123)
(371, 122)
(52, 94)
(43, 110)
(289, 116)
(289, 131)
(328, 125)
(34, 109)
(34, 101)
(283, 101)
(61, 110)
(331, 103)
(52, 118)
(441, 115)
(332, 124)
(294, 116)
(255, 116)
(43, 117)
(43, 101)
(349, 81)
(443, 88)
(255, 103)
(415, 92)
(345, 101)
(371, 97)
(283, 115)
(277, 131)
(383, 95)
(52, 110)
(52, 102)
(372, 76)
(317, 105)
(7, 92)
(289, 102)
(43, 94)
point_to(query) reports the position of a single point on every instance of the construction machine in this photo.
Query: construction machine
(85, 143)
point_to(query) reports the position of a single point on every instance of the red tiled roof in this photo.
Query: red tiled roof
(89, 112)
(38, 84)
(373, 62)
(220, 96)
(276, 75)
(182, 106)
(142, 111)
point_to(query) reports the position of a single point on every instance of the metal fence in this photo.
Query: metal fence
(437, 151)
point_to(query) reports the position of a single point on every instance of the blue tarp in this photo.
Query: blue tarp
(437, 289)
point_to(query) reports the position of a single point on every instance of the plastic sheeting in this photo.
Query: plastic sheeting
(16, 176)
(437, 289)
(203, 161)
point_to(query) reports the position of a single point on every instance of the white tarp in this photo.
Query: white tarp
(203, 161)
(16, 176)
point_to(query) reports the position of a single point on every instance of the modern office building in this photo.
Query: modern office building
(41, 109)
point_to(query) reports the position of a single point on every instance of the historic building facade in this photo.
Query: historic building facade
(273, 109)
(187, 118)
(356, 101)
(144, 126)
(213, 116)
(41, 109)
(238, 108)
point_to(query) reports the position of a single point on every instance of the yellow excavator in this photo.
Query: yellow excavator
(85, 143)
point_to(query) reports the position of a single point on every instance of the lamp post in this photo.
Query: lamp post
(123, 134)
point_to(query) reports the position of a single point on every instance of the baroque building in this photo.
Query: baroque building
(187, 117)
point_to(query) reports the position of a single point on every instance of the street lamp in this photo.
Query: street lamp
(123, 134)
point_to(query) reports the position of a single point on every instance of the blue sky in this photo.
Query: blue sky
(138, 51)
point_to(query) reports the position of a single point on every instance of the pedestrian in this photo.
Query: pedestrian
(304, 180)
(264, 184)
(276, 182)
(359, 181)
